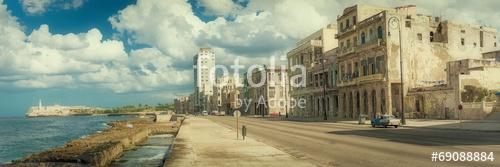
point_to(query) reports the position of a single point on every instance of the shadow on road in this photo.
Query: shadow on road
(427, 137)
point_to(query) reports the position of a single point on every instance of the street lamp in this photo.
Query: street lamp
(394, 23)
(287, 81)
(325, 117)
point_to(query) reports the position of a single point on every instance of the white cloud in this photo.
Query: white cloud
(37, 7)
(167, 25)
(172, 27)
(147, 69)
(219, 7)
(43, 60)
(46, 81)
(44, 53)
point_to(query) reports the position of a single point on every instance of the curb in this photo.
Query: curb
(477, 130)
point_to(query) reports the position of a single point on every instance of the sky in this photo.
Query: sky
(118, 52)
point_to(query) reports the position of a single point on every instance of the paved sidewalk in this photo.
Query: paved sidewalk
(201, 142)
(470, 125)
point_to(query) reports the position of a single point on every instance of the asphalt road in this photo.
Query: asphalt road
(335, 144)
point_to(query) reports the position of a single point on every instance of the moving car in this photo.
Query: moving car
(386, 120)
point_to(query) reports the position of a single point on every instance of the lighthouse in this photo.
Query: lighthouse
(39, 104)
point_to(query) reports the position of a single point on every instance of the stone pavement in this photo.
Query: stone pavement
(201, 142)
(470, 125)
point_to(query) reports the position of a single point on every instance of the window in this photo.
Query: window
(408, 23)
(347, 23)
(356, 70)
(419, 36)
(495, 44)
(431, 36)
(462, 41)
(353, 20)
(380, 32)
(417, 105)
(348, 43)
(380, 67)
(371, 65)
(462, 31)
(363, 38)
(341, 26)
(364, 65)
(481, 38)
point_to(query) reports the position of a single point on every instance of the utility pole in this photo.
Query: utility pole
(395, 23)
(325, 117)
(287, 81)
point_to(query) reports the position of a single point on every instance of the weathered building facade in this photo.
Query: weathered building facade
(379, 50)
(267, 92)
(227, 92)
(316, 53)
(375, 42)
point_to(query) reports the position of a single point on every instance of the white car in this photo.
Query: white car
(386, 120)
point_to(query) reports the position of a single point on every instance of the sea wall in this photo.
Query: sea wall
(102, 148)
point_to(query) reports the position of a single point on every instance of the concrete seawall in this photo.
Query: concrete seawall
(101, 149)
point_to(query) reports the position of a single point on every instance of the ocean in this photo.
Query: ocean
(21, 136)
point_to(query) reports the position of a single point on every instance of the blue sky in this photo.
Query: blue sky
(110, 53)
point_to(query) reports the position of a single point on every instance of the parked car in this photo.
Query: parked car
(204, 113)
(386, 120)
(214, 112)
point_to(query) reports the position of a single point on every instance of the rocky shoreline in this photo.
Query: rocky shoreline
(101, 149)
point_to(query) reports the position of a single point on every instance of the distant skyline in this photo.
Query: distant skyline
(118, 52)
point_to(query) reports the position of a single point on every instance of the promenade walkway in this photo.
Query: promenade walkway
(201, 142)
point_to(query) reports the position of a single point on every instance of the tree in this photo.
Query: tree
(476, 94)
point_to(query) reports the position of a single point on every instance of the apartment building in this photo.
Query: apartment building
(316, 53)
(267, 91)
(204, 78)
(376, 45)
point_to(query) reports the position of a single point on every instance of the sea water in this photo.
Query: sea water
(21, 136)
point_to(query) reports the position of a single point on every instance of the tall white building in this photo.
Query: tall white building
(204, 77)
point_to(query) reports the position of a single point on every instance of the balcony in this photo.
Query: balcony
(345, 31)
(362, 79)
(317, 43)
(347, 50)
(306, 44)
(371, 44)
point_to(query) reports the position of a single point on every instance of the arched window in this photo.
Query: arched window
(380, 32)
(363, 38)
